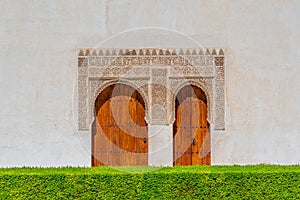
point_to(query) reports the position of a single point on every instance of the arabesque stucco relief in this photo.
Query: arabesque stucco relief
(158, 74)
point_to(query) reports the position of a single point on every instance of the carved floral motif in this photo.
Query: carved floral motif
(158, 74)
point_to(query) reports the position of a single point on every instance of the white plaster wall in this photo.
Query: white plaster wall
(160, 146)
(38, 49)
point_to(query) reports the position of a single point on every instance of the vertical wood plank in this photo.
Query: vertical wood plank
(206, 137)
(130, 129)
(186, 128)
(195, 123)
(102, 129)
(121, 122)
(200, 136)
(108, 134)
(132, 123)
(115, 132)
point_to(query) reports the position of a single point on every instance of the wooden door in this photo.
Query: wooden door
(191, 129)
(120, 136)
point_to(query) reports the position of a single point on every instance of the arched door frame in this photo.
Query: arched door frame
(125, 82)
(206, 91)
(205, 141)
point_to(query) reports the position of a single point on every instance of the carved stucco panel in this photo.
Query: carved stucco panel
(159, 97)
(82, 101)
(157, 74)
(188, 71)
(219, 99)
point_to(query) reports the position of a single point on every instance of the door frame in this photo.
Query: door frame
(208, 123)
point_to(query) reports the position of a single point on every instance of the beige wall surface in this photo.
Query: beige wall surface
(39, 43)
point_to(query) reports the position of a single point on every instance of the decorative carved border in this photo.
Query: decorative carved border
(158, 74)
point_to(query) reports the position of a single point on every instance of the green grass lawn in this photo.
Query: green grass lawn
(207, 182)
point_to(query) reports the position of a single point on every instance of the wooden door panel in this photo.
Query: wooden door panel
(191, 137)
(195, 123)
(119, 124)
(185, 136)
(131, 123)
(102, 128)
(184, 131)
(204, 137)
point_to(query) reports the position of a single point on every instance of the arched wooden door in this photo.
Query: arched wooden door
(120, 135)
(191, 129)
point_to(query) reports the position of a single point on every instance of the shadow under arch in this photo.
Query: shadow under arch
(203, 87)
(123, 82)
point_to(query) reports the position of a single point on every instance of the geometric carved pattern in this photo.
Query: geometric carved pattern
(158, 74)
(159, 97)
(219, 61)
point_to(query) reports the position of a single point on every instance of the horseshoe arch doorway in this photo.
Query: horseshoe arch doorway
(191, 135)
(119, 133)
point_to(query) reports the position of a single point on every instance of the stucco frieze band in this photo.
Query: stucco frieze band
(158, 74)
